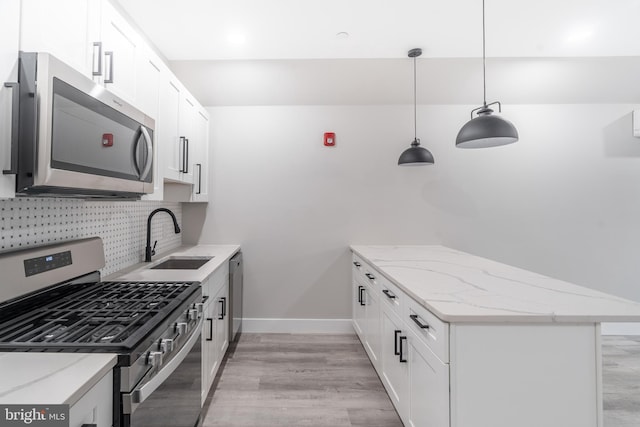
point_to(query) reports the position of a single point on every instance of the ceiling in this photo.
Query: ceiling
(310, 29)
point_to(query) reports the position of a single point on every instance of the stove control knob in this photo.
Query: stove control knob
(166, 345)
(154, 358)
(181, 328)
(193, 314)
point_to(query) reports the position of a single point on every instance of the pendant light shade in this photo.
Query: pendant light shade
(415, 155)
(486, 129)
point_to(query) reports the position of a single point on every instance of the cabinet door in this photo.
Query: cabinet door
(372, 325)
(201, 158)
(428, 386)
(168, 128)
(209, 354)
(187, 121)
(222, 322)
(9, 45)
(148, 90)
(120, 45)
(395, 360)
(63, 28)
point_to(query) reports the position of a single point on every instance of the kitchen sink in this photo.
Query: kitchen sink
(182, 263)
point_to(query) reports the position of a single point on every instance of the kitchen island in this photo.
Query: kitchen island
(463, 341)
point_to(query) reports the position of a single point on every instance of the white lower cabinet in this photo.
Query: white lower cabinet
(428, 386)
(476, 374)
(95, 407)
(215, 328)
(395, 361)
(402, 351)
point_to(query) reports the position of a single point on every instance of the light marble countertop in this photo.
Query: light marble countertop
(50, 378)
(143, 272)
(459, 287)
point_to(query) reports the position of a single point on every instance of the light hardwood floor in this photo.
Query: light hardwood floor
(327, 380)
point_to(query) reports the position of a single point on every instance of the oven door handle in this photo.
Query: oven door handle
(140, 394)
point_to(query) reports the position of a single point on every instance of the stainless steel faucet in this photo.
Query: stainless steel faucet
(149, 251)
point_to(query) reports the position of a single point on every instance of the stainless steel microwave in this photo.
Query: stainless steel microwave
(75, 138)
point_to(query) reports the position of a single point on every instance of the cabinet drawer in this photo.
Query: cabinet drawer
(392, 296)
(428, 328)
(357, 269)
(214, 283)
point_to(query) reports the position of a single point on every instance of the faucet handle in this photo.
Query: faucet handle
(153, 250)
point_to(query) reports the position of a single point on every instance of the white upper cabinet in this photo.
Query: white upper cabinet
(201, 158)
(121, 46)
(9, 45)
(93, 37)
(63, 28)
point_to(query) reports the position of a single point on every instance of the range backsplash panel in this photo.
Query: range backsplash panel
(28, 222)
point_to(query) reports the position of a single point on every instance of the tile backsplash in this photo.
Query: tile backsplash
(122, 225)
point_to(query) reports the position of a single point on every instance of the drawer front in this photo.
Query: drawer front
(357, 269)
(216, 281)
(428, 328)
(392, 296)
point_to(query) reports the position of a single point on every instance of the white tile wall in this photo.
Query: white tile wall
(122, 226)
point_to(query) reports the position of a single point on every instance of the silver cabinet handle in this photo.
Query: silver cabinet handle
(97, 59)
(141, 394)
(15, 123)
(110, 78)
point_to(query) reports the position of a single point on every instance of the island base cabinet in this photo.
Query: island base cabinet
(507, 375)
(95, 407)
(394, 360)
(428, 392)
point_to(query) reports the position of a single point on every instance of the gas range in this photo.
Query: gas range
(52, 300)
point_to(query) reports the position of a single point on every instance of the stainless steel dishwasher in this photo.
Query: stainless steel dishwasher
(235, 295)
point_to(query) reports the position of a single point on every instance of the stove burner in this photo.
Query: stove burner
(103, 315)
(106, 333)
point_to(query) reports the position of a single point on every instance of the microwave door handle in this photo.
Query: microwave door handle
(148, 142)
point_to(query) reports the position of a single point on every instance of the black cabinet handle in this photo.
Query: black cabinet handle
(396, 349)
(210, 337)
(223, 310)
(357, 264)
(415, 318)
(402, 358)
(388, 293)
(199, 178)
(370, 276)
(181, 147)
(186, 159)
(361, 290)
(89, 425)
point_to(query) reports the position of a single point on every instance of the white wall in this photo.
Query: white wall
(564, 201)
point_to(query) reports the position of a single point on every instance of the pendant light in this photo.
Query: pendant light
(415, 155)
(486, 129)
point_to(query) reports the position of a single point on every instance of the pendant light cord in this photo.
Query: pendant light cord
(484, 60)
(415, 104)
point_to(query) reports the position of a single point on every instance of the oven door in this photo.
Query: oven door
(172, 396)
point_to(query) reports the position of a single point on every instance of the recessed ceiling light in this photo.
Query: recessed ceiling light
(342, 35)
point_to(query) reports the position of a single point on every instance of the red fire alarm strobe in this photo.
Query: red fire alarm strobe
(107, 140)
(329, 139)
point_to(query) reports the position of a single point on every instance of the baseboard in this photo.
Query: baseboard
(298, 326)
(620, 328)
